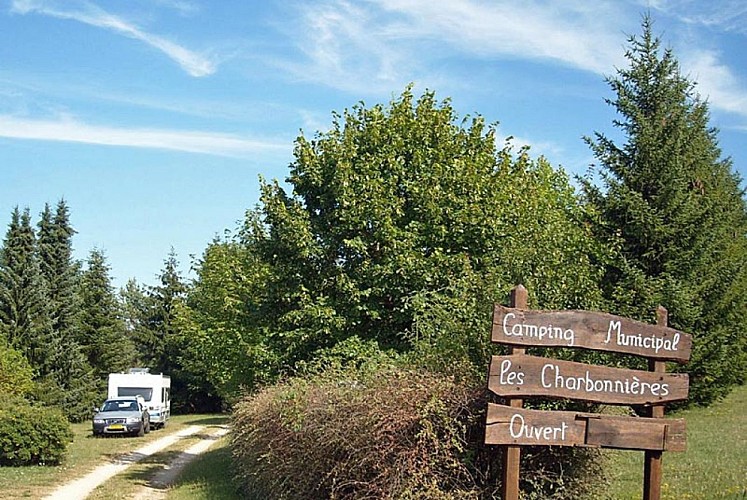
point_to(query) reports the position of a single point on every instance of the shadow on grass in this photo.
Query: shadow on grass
(211, 474)
(154, 464)
(209, 420)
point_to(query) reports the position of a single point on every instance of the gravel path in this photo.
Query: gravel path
(159, 483)
(82, 487)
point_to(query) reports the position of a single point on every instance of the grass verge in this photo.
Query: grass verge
(208, 477)
(713, 467)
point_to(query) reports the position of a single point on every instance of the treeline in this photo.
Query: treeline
(63, 326)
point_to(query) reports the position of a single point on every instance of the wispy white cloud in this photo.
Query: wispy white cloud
(377, 45)
(67, 129)
(373, 45)
(723, 15)
(574, 33)
(184, 7)
(344, 46)
(548, 149)
(716, 82)
(193, 63)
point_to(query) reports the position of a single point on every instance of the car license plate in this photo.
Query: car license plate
(116, 427)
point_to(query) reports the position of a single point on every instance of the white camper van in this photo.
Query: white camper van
(155, 390)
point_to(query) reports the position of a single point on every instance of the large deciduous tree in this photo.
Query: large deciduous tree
(675, 207)
(398, 215)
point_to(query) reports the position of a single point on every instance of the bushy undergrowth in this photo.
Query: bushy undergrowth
(396, 433)
(31, 435)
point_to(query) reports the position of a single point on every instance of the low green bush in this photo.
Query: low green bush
(32, 435)
(393, 433)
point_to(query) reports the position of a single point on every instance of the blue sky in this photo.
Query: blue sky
(154, 119)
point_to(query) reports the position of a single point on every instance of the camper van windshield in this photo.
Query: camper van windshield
(145, 392)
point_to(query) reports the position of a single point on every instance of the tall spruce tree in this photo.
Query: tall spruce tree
(70, 382)
(58, 267)
(23, 299)
(675, 207)
(102, 328)
(156, 324)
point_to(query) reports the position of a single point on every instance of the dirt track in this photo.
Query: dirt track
(80, 488)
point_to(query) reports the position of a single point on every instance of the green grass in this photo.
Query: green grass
(209, 477)
(83, 455)
(713, 467)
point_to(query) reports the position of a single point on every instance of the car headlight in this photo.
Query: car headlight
(98, 420)
(133, 420)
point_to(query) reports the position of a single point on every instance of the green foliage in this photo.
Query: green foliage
(395, 212)
(23, 306)
(163, 336)
(39, 309)
(102, 331)
(676, 211)
(16, 374)
(60, 272)
(32, 435)
(387, 433)
(219, 327)
(155, 317)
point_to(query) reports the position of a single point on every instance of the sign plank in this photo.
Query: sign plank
(522, 375)
(518, 426)
(591, 330)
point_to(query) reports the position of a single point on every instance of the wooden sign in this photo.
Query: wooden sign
(518, 426)
(591, 330)
(521, 375)
(517, 375)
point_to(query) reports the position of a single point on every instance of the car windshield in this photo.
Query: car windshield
(120, 406)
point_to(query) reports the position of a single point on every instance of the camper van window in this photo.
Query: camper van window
(145, 392)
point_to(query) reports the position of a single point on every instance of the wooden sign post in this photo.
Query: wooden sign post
(517, 375)
(512, 453)
(652, 460)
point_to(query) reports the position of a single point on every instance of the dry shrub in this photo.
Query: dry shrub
(396, 434)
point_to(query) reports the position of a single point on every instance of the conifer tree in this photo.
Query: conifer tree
(135, 308)
(38, 310)
(72, 384)
(102, 329)
(674, 206)
(23, 305)
(157, 321)
(154, 321)
(58, 268)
